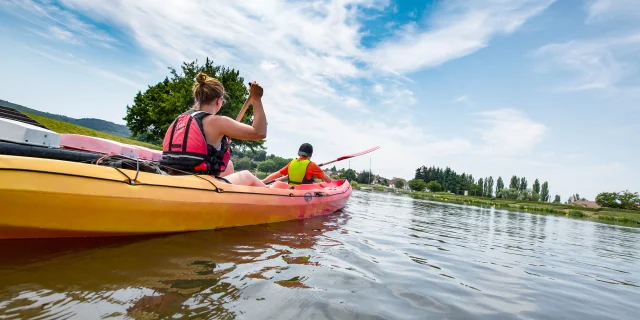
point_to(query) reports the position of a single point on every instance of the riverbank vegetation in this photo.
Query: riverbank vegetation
(603, 214)
(437, 179)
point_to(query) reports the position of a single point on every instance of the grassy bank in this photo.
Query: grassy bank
(605, 214)
(65, 127)
(601, 214)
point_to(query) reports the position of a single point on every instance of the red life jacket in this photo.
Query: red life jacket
(185, 147)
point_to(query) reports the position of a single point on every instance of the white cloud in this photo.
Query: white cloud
(268, 65)
(509, 132)
(596, 63)
(51, 21)
(461, 29)
(392, 92)
(62, 34)
(355, 104)
(602, 10)
(461, 99)
(82, 64)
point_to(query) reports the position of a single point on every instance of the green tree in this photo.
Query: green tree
(153, 111)
(243, 163)
(523, 184)
(536, 189)
(349, 174)
(499, 186)
(417, 185)
(629, 200)
(434, 186)
(534, 196)
(280, 162)
(365, 177)
(557, 199)
(509, 193)
(544, 193)
(608, 199)
(258, 155)
(525, 195)
(480, 187)
(515, 183)
(399, 184)
(489, 189)
(267, 166)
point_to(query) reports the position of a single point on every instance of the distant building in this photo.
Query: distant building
(393, 181)
(586, 204)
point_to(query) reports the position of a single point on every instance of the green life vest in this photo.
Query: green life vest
(298, 172)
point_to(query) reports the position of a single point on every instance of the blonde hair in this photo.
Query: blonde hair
(206, 89)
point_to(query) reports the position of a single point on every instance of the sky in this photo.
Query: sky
(536, 88)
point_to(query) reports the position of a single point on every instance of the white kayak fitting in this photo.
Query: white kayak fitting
(24, 133)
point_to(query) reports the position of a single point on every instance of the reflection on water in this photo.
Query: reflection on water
(384, 256)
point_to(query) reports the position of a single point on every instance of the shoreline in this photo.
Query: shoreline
(627, 217)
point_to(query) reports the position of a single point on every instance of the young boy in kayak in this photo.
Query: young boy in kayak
(198, 140)
(301, 170)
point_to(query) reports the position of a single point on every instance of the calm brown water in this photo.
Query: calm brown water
(385, 256)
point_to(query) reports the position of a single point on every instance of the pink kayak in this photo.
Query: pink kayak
(104, 146)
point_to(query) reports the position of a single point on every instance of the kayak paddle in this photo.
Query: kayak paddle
(242, 111)
(350, 156)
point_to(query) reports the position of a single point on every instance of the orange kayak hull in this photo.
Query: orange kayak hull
(43, 198)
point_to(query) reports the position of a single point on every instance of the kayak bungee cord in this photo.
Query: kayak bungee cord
(157, 167)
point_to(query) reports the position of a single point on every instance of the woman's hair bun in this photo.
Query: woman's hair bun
(201, 78)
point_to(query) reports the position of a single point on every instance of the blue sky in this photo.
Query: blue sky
(537, 88)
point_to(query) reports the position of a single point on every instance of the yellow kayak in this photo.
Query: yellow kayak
(45, 198)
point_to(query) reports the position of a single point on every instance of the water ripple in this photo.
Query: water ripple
(383, 257)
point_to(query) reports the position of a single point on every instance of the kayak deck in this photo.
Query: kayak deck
(46, 198)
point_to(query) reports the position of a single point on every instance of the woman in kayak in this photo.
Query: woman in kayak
(197, 141)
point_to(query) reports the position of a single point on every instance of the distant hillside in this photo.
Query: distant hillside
(96, 124)
(63, 127)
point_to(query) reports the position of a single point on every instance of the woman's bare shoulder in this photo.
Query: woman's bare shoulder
(219, 120)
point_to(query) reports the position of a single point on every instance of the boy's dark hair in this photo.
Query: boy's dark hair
(306, 150)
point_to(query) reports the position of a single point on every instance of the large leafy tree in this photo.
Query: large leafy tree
(434, 186)
(417, 185)
(349, 174)
(243, 163)
(624, 200)
(153, 111)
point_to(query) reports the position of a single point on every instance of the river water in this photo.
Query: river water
(384, 256)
